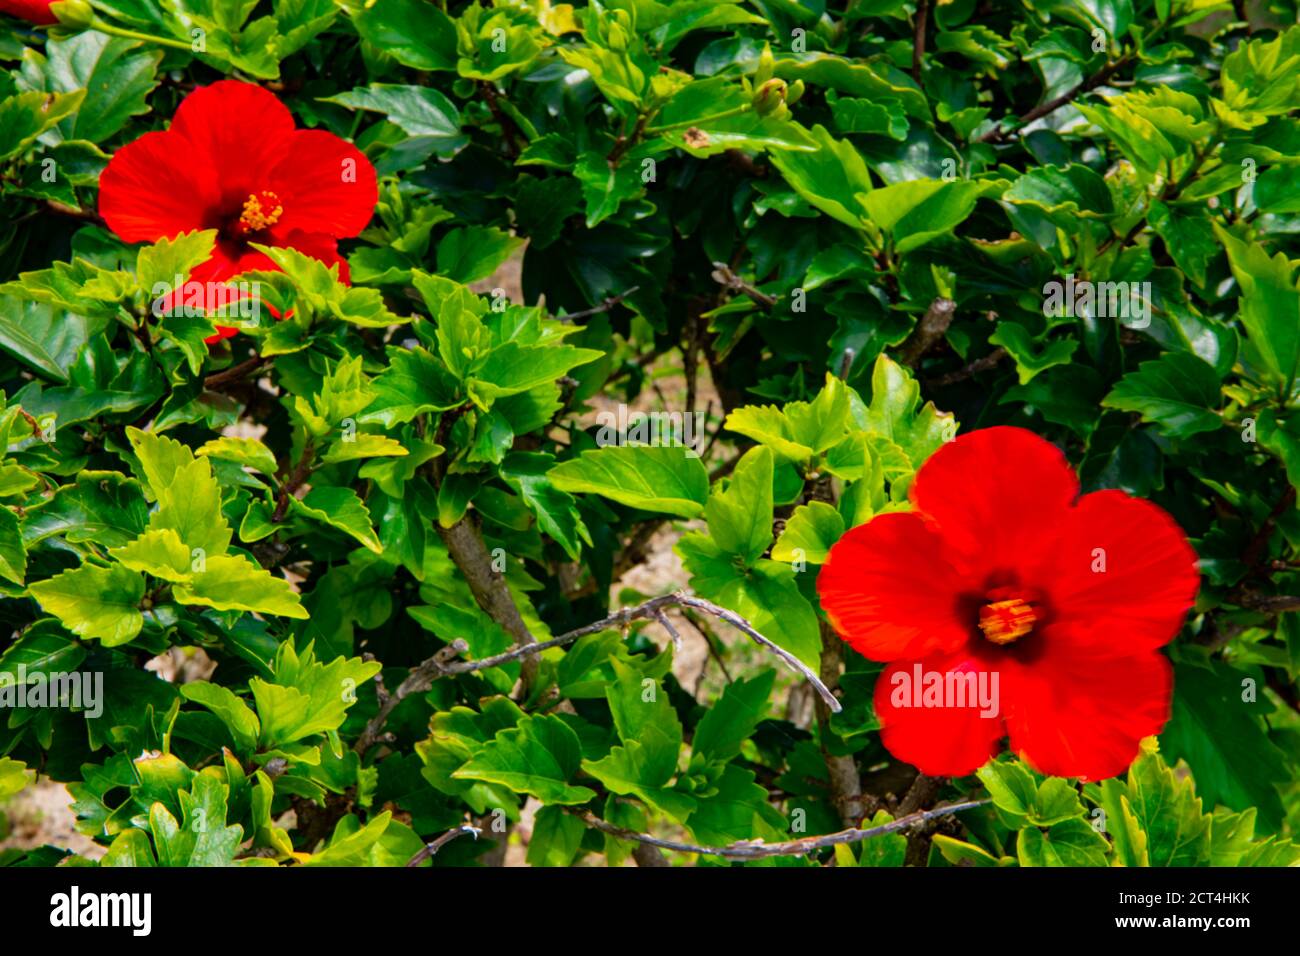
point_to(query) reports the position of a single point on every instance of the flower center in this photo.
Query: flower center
(1005, 621)
(261, 211)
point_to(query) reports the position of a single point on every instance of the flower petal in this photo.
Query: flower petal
(326, 185)
(1072, 716)
(1124, 575)
(239, 128)
(156, 188)
(35, 11)
(889, 591)
(952, 739)
(996, 495)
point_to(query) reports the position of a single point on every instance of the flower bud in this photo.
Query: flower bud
(73, 13)
(770, 97)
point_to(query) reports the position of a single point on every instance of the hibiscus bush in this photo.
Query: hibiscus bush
(858, 433)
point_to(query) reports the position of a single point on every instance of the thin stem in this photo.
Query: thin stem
(758, 850)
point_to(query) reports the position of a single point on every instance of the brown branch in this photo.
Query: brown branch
(725, 277)
(982, 364)
(233, 374)
(996, 134)
(465, 545)
(758, 850)
(431, 849)
(63, 209)
(930, 329)
(918, 38)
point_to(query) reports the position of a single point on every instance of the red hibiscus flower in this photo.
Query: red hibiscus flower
(233, 161)
(1007, 605)
(35, 11)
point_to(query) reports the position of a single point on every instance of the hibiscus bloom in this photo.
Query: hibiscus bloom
(1001, 577)
(233, 161)
(34, 11)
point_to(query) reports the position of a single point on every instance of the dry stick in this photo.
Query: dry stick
(725, 277)
(758, 850)
(430, 849)
(1038, 112)
(443, 664)
(606, 304)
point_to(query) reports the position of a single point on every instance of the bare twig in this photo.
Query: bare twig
(997, 133)
(431, 849)
(605, 305)
(725, 277)
(443, 663)
(234, 373)
(758, 850)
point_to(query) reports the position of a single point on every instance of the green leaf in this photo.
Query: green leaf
(13, 554)
(1163, 809)
(14, 776)
(652, 478)
(423, 112)
(471, 253)
(25, 116)
(1225, 740)
(538, 757)
(159, 552)
(765, 594)
(809, 533)
(731, 720)
(115, 74)
(1069, 843)
(894, 413)
(307, 697)
(740, 513)
(230, 582)
(1269, 308)
(340, 508)
(415, 33)
(234, 713)
(510, 368)
(158, 265)
(920, 210)
(190, 505)
(556, 511)
(1177, 393)
(833, 178)
(93, 602)
(1019, 343)
(414, 382)
(244, 451)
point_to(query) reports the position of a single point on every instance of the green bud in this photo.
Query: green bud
(74, 13)
(766, 66)
(770, 97)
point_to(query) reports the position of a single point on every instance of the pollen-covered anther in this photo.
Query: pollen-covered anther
(261, 211)
(1005, 621)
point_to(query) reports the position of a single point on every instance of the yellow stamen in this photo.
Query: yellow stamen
(1005, 621)
(261, 210)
